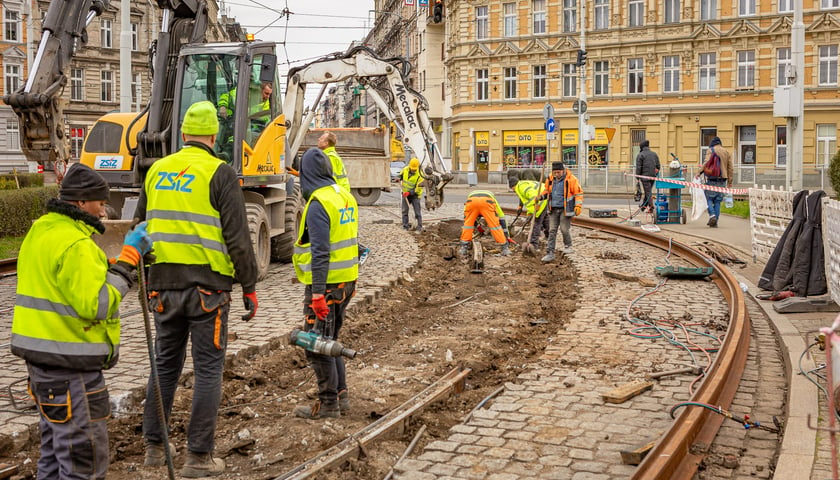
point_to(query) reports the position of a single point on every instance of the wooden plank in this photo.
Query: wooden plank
(621, 276)
(6, 470)
(627, 391)
(635, 456)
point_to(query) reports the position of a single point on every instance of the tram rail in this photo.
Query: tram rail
(8, 267)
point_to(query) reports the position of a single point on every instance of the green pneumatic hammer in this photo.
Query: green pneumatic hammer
(315, 343)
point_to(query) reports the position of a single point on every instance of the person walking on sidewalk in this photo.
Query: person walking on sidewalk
(528, 191)
(325, 260)
(411, 185)
(200, 230)
(482, 203)
(719, 171)
(647, 164)
(565, 200)
(66, 323)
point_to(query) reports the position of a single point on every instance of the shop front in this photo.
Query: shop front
(598, 155)
(524, 148)
(482, 155)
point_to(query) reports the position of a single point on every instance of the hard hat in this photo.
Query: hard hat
(201, 120)
(414, 164)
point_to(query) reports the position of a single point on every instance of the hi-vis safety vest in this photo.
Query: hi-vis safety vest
(339, 172)
(411, 181)
(528, 191)
(344, 227)
(183, 224)
(66, 312)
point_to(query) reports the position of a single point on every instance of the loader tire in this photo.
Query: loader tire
(282, 246)
(365, 196)
(258, 228)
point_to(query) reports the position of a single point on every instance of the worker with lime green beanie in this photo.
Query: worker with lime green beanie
(196, 215)
(411, 185)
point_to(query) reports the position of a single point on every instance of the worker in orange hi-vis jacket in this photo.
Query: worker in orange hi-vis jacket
(482, 203)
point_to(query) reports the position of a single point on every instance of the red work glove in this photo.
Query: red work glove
(577, 210)
(319, 306)
(406, 194)
(251, 305)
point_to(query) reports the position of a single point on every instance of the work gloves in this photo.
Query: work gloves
(519, 211)
(577, 210)
(251, 305)
(319, 306)
(137, 244)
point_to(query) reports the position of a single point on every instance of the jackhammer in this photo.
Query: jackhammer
(316, 343)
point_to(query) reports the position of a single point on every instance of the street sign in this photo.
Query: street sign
(579, 106)
(550, 125)
(548, 112)
(550, 136)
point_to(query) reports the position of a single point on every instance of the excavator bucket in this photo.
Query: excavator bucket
(112, 240)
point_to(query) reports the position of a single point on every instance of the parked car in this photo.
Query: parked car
(396, 168)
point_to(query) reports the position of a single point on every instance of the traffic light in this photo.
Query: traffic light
(438, 11)
(581, 58)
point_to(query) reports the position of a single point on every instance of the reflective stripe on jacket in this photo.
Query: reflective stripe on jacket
(183, 224)
(411, 181)
(572, 193)
(484, 194)
(339, 173)
(66, 310)
(528, 191)
(344, 228)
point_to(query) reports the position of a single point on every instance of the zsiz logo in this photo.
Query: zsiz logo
(179, 182)
(108, 163)
(348, 215)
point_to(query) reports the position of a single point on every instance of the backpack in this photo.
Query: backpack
(712, 166)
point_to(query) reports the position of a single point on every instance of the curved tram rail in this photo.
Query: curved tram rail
(8, 267)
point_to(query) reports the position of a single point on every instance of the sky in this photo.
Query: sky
(314, 28)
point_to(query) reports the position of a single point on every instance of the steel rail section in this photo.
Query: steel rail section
(8, 267)
(443, 387)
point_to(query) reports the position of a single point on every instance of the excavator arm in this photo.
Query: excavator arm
(362, 64)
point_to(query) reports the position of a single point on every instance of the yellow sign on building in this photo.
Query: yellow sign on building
(482, 139)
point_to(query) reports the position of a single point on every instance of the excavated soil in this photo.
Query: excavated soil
(440, 316)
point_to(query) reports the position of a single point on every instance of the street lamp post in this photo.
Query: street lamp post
(582, 144)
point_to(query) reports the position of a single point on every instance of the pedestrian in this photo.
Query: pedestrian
(66, 323)
(565, 200)
(326, 263)
(327, 142)
(482, 203)
(196, 214)
(647, 164)
(528, 191)
(411, 186)
(718, 170)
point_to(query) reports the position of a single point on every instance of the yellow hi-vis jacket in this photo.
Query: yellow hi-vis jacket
(66, 311)
(411, 181)
(183, 224)
(528, 191)
(339, 173)
(344, 228)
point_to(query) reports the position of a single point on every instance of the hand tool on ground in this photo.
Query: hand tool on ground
(155, 379)
(316, 343)
(668, 373)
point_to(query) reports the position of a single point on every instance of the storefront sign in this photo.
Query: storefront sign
(524, 138)
(482, 139)
(603, 136)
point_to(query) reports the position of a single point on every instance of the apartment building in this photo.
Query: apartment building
(13, 57)
(675, 72)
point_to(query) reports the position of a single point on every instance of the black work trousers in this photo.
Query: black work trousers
(647, 186)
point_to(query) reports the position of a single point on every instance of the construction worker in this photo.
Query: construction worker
(411, 186)
(325, 260)
(227, 101)
(528, 191)
(196, 214)
(66, 323)
(565, 200)
(482, 203)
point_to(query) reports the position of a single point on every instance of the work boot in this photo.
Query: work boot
(344, 402)
(200, 465)
(318, 411)
(156, 456)
(713, 222)
(548, 257)
(709, 223)
(464, 250)
(567, 250)
(505, 250)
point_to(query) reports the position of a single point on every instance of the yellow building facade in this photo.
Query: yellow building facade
(674, 72)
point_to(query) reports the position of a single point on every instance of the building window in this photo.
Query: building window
(828, 65)
(137, 91)
(105, 37)
(106, 90)
(671, 71)
(708, 9)
(781, 146)
(482, 84)
(830, 4)
(539, 81)
(569, 80)
(746, 145)
(602, 78)
(135, 37)
(77, 140)
(510, 19)
(746, 69)
(785, 6)
(13, 77)
(672, 11)
(539, 17)
(637, 13)
(77, 84)
(706, 136)
(569, 16)
(482, 22)
(635, 75)
(782, 63)
(708, 72)
(602, 14)
(13, 135)
(510, 82)
(11, 26)
(746, 8)
(826, 143)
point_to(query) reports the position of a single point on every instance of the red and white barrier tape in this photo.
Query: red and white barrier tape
(733, 191)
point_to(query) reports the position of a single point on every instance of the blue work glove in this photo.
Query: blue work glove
(137, 244)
